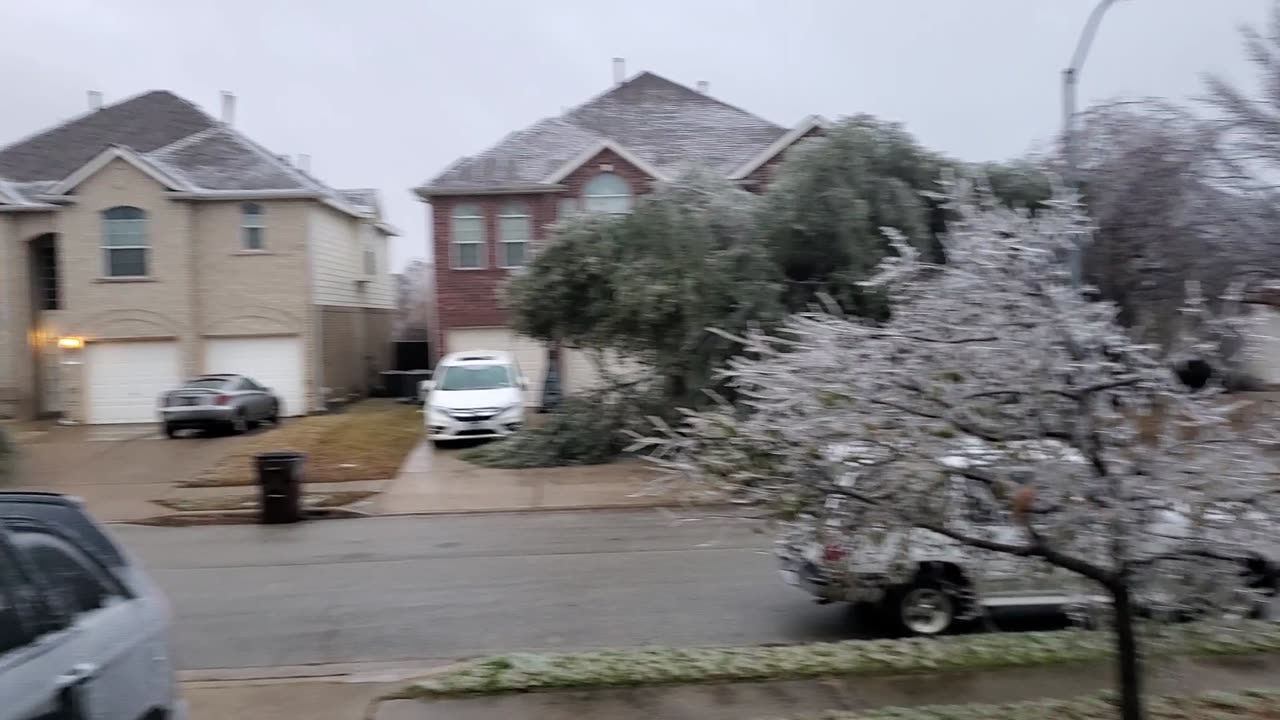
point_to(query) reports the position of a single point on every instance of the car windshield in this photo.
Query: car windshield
(213, 383)
(475, 377)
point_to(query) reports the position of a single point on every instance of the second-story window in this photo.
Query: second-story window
(515, 230)
(468, 238)
(124, 242)
(253, 227)
(607, 193)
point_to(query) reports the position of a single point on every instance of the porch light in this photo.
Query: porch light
(70, 343)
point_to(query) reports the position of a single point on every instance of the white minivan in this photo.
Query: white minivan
(475, 394)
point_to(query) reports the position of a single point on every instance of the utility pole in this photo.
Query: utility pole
(1070, 147)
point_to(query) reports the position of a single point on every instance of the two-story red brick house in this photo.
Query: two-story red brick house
(489, 211)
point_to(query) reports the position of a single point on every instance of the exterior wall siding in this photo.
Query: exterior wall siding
(14, 393)
(201, 283)
(338, 243)
(26, 352)
(254, 292)
(473, 298)
(357, 347)
(99, 308)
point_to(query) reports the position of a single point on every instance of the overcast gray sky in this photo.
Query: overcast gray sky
(385, 93)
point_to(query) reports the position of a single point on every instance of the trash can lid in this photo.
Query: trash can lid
(282, 455)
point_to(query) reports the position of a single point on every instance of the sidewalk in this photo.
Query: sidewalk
(435, 481)
(791, 698)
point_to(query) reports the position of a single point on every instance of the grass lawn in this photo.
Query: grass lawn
(367, 442)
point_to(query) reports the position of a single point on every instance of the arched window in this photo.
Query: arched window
(607, 193)
(124, 242)
(253, 226)
(515, 232)
(468, 238)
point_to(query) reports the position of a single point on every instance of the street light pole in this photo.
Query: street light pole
(1070, 81)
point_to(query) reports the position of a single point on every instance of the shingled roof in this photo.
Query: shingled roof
(203, 157)
(664, 124)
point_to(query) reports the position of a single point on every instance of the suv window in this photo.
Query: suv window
(59, 513)
(14, 633)
(77, 583)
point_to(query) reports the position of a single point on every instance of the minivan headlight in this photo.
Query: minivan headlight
(510, 410)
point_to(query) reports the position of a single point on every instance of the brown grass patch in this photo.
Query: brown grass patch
(367, 442)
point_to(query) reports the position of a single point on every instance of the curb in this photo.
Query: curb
(237, 517)
(359, 672)
(562, 508)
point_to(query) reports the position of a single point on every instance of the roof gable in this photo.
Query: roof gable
(659, 125)
(792, 136)
(145, 123)
(173, 142)
(582, 158)
(104, 158)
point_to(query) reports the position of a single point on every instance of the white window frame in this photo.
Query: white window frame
(569, 207)
(253, 221)
(107, 249)
(588, 196)
(454, 243)
(514, 211)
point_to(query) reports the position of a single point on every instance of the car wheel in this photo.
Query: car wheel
(441, 444)
(239, 424)
(170, 431)
(274, 417)
(923, 608)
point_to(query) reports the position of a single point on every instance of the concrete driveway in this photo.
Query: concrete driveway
(116, 469)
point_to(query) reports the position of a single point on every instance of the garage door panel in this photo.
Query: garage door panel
(581, 373)
(276, 362)
(124, 380)
(529, 354)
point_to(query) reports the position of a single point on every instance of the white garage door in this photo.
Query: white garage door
(276, 362)
(580, 372)
(124, 380)
(530, 354)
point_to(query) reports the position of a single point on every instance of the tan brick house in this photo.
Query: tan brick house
(145, 241)
(490, 211)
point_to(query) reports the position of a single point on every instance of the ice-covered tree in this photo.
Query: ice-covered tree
(1109, 469)
(413, 301)
(1170, 207)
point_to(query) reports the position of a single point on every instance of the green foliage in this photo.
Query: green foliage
(701, 253)
(824, 212)
(587, 429)
(656, 666)
(649, 284)
(1019, 184)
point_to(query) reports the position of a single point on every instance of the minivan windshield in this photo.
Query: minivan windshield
(475, 377)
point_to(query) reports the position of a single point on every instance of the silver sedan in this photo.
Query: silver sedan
(233, 403)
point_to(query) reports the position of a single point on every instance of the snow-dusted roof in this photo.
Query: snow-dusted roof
(177, 138)
(667, 125)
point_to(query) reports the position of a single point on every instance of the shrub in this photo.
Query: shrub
(586, 429)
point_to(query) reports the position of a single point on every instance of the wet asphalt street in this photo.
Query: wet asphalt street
(423, 589)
